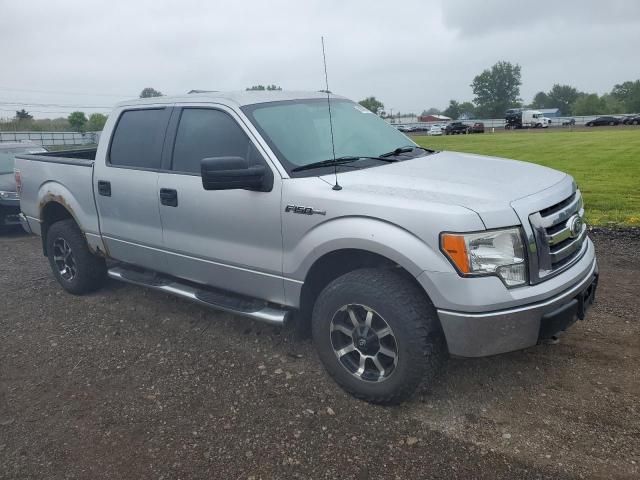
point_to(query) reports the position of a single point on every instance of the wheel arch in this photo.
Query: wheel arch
(334, 264)
(53, 210)
(57, 201)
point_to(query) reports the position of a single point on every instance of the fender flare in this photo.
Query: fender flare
(363, 233)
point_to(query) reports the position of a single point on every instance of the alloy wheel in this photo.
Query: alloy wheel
(63, 259)
(364, 343)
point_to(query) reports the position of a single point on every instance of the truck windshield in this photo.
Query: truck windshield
(298, 131)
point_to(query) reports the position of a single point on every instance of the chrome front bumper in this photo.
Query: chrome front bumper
(490, 333)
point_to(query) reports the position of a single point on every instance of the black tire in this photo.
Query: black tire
(415, 332)
(86, 271)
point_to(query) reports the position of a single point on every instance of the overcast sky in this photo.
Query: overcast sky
(410, 54)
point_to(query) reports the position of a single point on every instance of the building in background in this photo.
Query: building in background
(550, 112)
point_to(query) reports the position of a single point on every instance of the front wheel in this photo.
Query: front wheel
(74, 266)
(377, 335)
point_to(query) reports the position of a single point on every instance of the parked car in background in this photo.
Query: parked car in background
(569, 123)
(403, 128)
(606, 120)
(630, 119)
(635, 120)
(477, 127)
(435, 130)
(455, 128)
(9, 201)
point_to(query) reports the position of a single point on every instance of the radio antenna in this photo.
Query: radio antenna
(333, 146)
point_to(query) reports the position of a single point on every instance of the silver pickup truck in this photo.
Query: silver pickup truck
(390, 254)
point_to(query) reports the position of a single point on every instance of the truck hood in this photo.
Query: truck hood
(7, 182)
(486, 185)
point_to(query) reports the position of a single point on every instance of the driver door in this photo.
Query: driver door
(229, 239)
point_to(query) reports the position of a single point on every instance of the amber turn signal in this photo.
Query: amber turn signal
(455, 248)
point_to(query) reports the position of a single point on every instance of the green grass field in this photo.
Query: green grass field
(605, 164)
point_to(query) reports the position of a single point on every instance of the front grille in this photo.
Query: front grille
(560, 234)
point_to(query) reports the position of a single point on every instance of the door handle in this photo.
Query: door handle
(104, 188)
(169, 197)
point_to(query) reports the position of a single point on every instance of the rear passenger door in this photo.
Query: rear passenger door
(230, 239)
(126, 188)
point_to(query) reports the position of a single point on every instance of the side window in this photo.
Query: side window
(204, 133)
(137, 139)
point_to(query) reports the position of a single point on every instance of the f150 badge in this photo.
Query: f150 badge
(304, 210)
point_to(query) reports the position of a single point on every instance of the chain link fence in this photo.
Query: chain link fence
(52, 138)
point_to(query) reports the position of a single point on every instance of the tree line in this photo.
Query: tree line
(497, 89)
(75, 121)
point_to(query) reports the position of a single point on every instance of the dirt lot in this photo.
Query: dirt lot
(128, 383)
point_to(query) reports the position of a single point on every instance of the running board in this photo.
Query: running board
(217, 299)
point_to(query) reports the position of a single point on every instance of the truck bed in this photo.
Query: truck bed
(64, 178)
(84, 157)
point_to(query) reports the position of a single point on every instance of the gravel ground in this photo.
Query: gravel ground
(129, 383)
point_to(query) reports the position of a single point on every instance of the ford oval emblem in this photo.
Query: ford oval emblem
(575, 225)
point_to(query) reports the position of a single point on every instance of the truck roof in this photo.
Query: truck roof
(240, 98)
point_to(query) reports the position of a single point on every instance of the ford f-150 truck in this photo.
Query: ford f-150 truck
(268, 205)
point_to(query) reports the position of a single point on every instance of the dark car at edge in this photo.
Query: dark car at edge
(606, 120)
(9, 199)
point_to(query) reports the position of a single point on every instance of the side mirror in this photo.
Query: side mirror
(232, 173)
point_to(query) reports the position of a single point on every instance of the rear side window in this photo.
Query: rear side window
(137, 140)
(205, 133)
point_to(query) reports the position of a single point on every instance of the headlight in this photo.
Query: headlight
(494, 252)
(7, 195)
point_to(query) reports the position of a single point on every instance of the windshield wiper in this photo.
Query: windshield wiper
(340, 161)
(401, 150)
(385, 157)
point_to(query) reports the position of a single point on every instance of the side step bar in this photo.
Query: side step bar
(228, 302)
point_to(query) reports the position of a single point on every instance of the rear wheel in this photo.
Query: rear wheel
(74, 266)
(377, 335)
